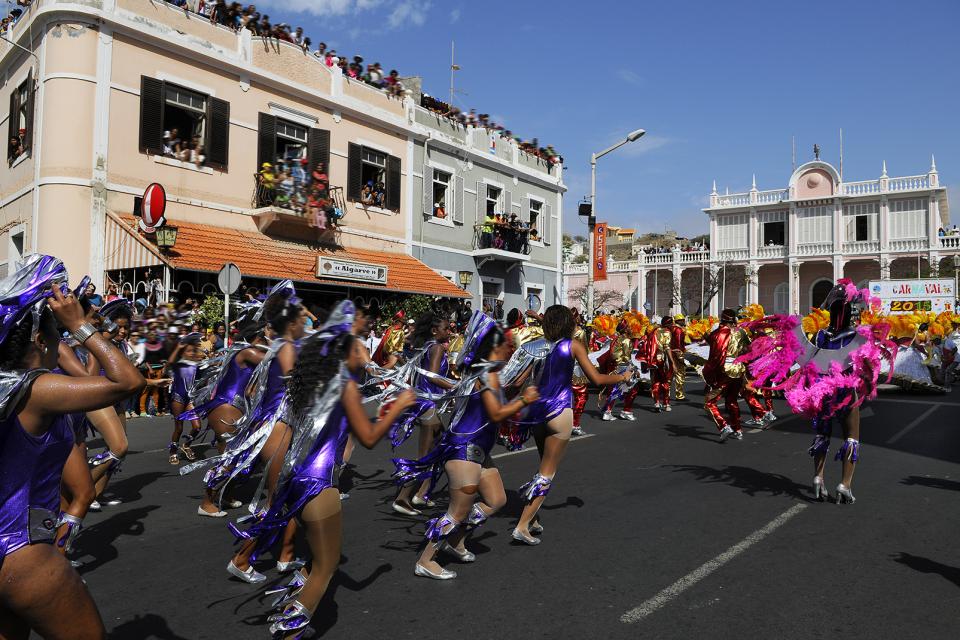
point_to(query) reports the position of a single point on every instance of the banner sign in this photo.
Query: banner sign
(600, 252)
(347, 270)
(907, 296)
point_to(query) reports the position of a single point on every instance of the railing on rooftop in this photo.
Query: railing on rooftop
(950, 242)
(861, 188)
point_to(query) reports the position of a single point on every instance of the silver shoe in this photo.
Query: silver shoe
(819, 491)
(417, 501)
(407, 511)
(844, 494)
(251, 575)
(293, 565)
(657, 408)
(463, 556)
(536, 527)
(725, 433)
(626, 415)
(607, 416)
(95, 506)
(423, 572)
(519, 536)
(294, 616)
(207, 514)
(737, 435)
(576, 432)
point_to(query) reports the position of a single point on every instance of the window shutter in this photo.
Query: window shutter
(218, 133)
(507, 203)
(318, 150)
(266, 140)
(481, 199)
(457, 188)
(354, 171)
(428, 191)
(546, 212)
(31, 93)
(151, 115)
(12, 121)
(851, 232)
(393, 183)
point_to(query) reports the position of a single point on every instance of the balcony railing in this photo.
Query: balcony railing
(501, 236)
(694, 256)
(815, 249)
(293, 210)
(909, 244)
(861, 246)
(772, 197)
(950, 242)
(863, 188)
(772, 251)
(734, 254)
(909, 183)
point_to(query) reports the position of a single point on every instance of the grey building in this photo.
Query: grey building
(460, 174)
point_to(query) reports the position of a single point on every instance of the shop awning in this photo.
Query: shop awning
(207, 248)
(126, 248)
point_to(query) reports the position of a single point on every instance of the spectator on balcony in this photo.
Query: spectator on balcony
(285, 189)
(439, 211)
(380, 195)
(941, 233)
(298, 36)
(266, 187)
(196, 154)
(14, 149)
(321, 51)
(265, 28)
(486, 230)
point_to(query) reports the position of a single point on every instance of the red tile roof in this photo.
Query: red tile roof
(207, 248)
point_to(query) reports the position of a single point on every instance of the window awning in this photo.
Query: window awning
(126, 248)
(207, 248)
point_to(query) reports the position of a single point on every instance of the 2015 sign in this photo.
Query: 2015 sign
(909, 306)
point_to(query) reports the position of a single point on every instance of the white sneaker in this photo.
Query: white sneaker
(657, 408)
(95, 506)
(576, 432)
(625, 415)
(737, 435)
(667, 407)
(770, 417)
(207, 514)
(608, 416)
(725, 433)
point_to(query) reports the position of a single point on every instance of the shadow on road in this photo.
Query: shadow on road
(686, 431)
(750, 481)
(926, 565)
(144, 628)
(98, 539)
(128, 489)
(935, 483)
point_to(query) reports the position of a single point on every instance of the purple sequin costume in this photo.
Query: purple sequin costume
(230, 390)
(403, 428)
(556, 390)
(470, 438)
(823, 424)
(184, 374)
(30, 469)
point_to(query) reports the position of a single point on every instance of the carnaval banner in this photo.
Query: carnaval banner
(909, 296)
(600, 251)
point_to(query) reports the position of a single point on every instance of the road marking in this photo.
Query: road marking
(923, 416)
(704, 570)
(926, 402)
(513, 453)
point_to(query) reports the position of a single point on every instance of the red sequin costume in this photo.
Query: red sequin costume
(579, 381)
(724, 375)
(656, 353)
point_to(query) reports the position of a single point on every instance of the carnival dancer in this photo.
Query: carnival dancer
(678, 346)
(724, 375)
(109, 422)
(219, 393)
(429, 339)
(624, 348)
(834, 375)
(390, 347)
(579, 381)
(328, 405)
(463, 451)
(548, 364)
(39, 591)
(658, 355)
(183, 365)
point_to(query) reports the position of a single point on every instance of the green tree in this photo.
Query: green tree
(412, 306)
(211, 312)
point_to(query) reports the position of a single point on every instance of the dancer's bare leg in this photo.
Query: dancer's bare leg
(429, 428)
(555, 440)
(111, 428)
(221, 420)
(492, 499)
(464, 484)
(851, 429)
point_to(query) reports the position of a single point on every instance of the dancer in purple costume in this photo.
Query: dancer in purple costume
(430, 334)
(552, 415)
(183, 366)
(328, 405)
(39, 591)
(463, 451)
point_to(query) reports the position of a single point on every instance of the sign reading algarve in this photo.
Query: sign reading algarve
(347, 270)
(908, 296)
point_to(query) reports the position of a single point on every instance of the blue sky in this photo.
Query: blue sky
(720, 87)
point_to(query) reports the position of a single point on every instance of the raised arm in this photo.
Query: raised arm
(251, 356)
(436, 358)
(54, 394)
(68, 361)
(491, 400)
(597, 378)
(369, 433)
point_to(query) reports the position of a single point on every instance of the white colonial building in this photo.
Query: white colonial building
(784, 248)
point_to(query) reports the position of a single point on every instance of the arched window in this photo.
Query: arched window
(781, 299)
(819, 291)
(209, 290)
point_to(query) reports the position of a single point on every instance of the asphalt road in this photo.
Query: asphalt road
(653, 522)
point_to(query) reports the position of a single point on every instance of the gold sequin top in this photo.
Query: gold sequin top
(738, 345)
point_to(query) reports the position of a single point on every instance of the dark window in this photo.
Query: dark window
(774, 234)
(373, 178)
(536, 210)
(441, 185)
(20, 135)
(183, 124)
(493, 200)
(863, 228)
(294, 152)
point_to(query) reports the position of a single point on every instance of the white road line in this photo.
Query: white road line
(923, 416)
(513, 453)
(704, 570)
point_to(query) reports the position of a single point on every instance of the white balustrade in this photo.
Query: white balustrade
(575, 268)
(774, 196)
(657, 258)
(863, 188)
(950, 242)
(910, 244)
(909, 183)
(734, 254)
(815, 249)
(777, 251)
(733, 200)
(623, 265)
(862, 246)
(694, 256)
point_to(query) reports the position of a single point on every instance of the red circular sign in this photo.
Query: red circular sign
(153, 205)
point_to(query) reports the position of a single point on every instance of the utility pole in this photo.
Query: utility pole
(453, 67)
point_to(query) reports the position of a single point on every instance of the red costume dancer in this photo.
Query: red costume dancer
(724, 375)
(678, 345)
(579, 383)
(391, 345)
(656, 353)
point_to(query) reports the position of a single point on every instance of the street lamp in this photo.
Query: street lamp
(956, 281)
(633, 136)
(166, 238)
(466, 277)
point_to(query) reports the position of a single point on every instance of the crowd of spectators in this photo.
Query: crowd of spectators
(482, 120)
(16, 148)
(186, 149)
(289, 184)
(14, 14)
(507, 233)
(687, 248)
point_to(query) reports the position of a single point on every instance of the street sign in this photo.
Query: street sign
(152, 208)
(229, 278)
